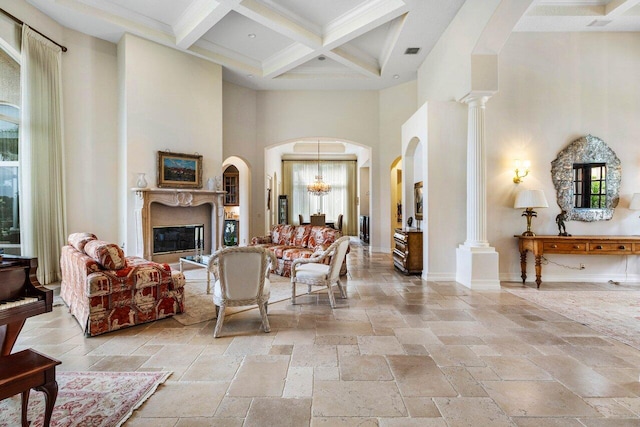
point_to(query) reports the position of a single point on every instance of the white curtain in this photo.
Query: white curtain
(340, 174)
(42, 210)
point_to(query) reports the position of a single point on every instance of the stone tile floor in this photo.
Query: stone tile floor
(398, 352)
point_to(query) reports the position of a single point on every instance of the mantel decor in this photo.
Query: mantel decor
(178, 170)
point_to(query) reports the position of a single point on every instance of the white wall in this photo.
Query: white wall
(555, 88)
(172, 101)
(445, 75)
(370, 118)
(91, 138)
(397, 104)
(89, 83)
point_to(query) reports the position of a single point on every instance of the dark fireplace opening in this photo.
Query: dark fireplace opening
(183, 238)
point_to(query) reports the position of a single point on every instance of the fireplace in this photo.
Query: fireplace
(177, 208)
(177, 239)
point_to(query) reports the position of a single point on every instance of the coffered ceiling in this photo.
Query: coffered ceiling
(314, 44)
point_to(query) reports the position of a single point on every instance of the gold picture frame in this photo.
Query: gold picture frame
(417, 197)
(179, 170)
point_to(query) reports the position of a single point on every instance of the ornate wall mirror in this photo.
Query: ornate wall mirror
(586, 175)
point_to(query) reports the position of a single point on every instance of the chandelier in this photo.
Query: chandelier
(319, 187)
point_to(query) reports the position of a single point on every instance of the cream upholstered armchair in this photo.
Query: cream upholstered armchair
(242, 278)
(312, 272)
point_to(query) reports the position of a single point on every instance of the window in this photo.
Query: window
(335, 173)
(9, 168)
(590, 185)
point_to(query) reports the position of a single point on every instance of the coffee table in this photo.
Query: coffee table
(199, 261)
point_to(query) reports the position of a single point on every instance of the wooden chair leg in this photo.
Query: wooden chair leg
(218, 329)
(265, 319)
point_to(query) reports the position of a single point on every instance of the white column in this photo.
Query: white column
(476, 261)
(476, 174)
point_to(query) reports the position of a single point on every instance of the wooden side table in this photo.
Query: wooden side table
(25, 370)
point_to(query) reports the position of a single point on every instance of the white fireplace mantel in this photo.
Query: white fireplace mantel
(174, 197)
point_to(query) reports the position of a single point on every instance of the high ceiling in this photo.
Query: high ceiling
(314, 44)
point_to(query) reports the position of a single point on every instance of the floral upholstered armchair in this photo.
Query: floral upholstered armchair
(290, 242)
(106, 291)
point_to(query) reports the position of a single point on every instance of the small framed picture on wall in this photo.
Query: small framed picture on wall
(417, 195)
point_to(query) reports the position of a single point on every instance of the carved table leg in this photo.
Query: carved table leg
(523, 266)
(538, 270)
(25, 403)
(50, 391)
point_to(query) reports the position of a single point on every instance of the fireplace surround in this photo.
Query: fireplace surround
(187, 201)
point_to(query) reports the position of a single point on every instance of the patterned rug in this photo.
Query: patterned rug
(200, 308)
(96, 399)
(613, 313)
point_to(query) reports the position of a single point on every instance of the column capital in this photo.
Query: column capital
(477, 97)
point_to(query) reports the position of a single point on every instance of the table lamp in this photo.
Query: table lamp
(530, 199)
(635, 202)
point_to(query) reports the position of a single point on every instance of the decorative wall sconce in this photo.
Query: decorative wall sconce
(530, 199)
(521, 170)
(635, 202)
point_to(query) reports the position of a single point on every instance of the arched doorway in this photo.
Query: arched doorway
(239, 206)
(396, 200)
(279, 156)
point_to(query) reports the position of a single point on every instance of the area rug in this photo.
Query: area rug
(96, 399)
(612, 313)
(199, 306)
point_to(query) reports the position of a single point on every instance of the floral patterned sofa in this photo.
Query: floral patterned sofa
(106, 291)
(289, 242)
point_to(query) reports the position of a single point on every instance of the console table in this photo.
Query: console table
(573, 245)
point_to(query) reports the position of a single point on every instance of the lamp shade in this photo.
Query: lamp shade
(531, 199)
(635, 202)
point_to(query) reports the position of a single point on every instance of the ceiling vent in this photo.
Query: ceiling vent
(412, 51)
(599, 23)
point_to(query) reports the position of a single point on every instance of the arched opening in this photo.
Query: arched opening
(289, 164)
(395, 196)
(412, 165)
(238, 207)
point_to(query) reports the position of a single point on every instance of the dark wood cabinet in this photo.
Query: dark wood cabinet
(231, 178)
(283, 210)
(407, 254)
(364, 228)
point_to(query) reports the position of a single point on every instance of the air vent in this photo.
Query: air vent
(412, 51)
(599, 23)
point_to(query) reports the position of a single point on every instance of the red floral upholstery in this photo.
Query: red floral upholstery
(104, 300)
(108, 255)
(290, 242)
(78, 240)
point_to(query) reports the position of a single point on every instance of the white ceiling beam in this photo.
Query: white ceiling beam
(229, 59)
(274, 21)
(554, 10)
(369, 68)
(339, 32)
(199, 18)
(619, 7)
(136, 24)
(391, 41)
(287, 59)
(362, 20)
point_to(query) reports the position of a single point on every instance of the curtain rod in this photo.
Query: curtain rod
(19, 22)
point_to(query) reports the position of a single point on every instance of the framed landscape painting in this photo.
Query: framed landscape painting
(177, 170)
(417, 195)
